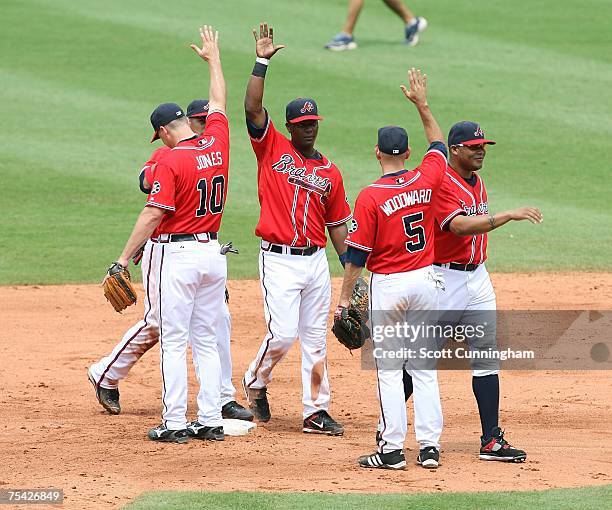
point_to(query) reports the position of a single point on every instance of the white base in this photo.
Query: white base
(233, 427)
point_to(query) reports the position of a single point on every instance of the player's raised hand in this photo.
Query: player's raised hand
(210, 44)
(417, 93)
(532, 214)
(264, 41)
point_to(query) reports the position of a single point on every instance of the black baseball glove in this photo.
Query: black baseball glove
(350, 324)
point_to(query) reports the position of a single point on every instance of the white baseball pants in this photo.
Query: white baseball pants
(145, 334)
(412, 290)
(191, 287)
(297, 294)
(469, 291)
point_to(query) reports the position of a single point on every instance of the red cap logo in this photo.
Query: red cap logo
(479, 132)
(308, 107)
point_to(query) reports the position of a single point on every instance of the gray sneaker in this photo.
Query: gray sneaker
(341, 42)
(413, 30)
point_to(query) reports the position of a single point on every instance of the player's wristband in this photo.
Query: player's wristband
(342, 258)
(260, 68)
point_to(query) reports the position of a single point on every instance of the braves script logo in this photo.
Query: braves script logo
(472, 210)
(300, 177)
(308, 107)
(479, 132)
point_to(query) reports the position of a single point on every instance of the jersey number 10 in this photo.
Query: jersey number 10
(412, 230)
(214, 202)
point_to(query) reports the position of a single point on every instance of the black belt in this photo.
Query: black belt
(458, 267)
(305, 252)
(178, 238)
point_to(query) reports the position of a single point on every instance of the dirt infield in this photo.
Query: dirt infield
(54, 434)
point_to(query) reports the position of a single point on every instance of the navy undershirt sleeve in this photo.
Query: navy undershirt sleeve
(141, 183)
(356, 256)
(439, 146)
(254, 131)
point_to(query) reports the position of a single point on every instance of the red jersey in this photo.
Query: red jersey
(394, 217)
(460, 197)
(190, 181)
(299, 197)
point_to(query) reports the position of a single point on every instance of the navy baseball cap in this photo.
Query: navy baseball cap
(302, 109)
(164, 114)
(467, 133)
(392, 140)
(198, 108)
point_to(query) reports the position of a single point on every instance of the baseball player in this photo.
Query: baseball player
(300, 192)
(462, 222)
(413, 25)
(392, 235)
(187, 273)
(106, 373)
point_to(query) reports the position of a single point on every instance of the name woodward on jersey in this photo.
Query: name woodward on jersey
(299, 176)
(406, 199)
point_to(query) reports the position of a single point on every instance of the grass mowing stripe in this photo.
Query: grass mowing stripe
(591, 498)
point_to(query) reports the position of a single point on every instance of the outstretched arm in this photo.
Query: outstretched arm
(210, 53)
(473, 225)
(265, 50)
(417, 94)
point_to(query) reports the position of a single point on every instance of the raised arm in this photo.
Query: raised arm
(210, 53)
(265, 50)
(417, 94)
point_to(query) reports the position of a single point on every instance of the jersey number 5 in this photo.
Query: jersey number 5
(412, 230)
(214, 202)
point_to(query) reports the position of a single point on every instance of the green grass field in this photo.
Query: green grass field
(592, 498)
(79, 80)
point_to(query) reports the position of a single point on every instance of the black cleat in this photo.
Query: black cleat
(234, 411)
(161, 433)
(497, 448)
(322, 423)
(390, 460)
(258, 402)
(429, 457)
(197, 430)
(108, 399)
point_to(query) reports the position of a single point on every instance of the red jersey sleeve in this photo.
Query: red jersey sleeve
(434, 162)
(217, 126)
(262, 146)
(163, 189)
(448, 205)
(362, 231)
(337, 208)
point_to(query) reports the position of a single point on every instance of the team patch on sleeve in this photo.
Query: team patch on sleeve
(353, 226)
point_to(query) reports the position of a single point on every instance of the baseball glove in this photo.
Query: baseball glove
(118, 288)
(350, 326)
